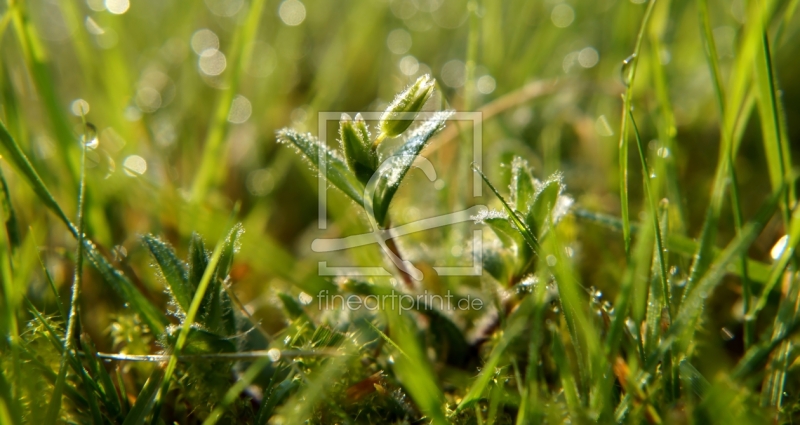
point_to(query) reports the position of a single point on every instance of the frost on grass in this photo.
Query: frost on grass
(563, 201)
(394, 166)
(488, 214)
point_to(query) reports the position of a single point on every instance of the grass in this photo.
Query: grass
(160, 185)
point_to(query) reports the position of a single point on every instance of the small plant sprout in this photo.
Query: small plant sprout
(404, 108)
(358, 153)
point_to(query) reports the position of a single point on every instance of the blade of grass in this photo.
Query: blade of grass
(567, 379)
(629, 78)
(683, 327)
(779, 266)
(777, 151)
(73, 318)
(9, 218)
(59, 305)
(150, 315)
(758, 271)
(704, 256)
(9, 324)
(637, 271)
(239, 56)
(36, 59)
(145, 400)
(662, 264)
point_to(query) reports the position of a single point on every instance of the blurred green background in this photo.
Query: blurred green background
(166, 82)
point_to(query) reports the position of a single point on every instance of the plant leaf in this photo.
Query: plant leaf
(198, 259)
(394, 167)
(146, 399)
(337, 172)
(523, 185)
(173, 271)
(544, 202)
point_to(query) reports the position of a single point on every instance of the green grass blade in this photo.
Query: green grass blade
(36, 58)
(630, 77)
(683, 325)
(758, 272)
(662, 263)
(779, 267)
(11, 226)
(239, 58)
(777, 151)
(152, 316)
(637, 271)
(568, 383)
(73, 315)
(145, 400)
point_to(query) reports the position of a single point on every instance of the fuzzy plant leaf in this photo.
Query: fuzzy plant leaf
(336, 172)
(172, 270)
(546, 200)
(393, 168)
(522, 186)
(198, 259)
(230, 246)
(356, 144)
(514, 215)
(293, 308)
(506, 261)
(216, 312)
(404, 108)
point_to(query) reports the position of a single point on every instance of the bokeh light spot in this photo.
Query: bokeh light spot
(588, 57)
(117, 7)
(134, 165)
(292, 12)
(213, 63)
(562, 15)
(204, 40)
(486, 84)
(79, 107)
(399, 41)
(454, 73)
(240, 110)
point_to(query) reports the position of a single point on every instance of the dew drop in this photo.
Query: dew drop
(624, 71)
(779, 247)
(274, 354)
